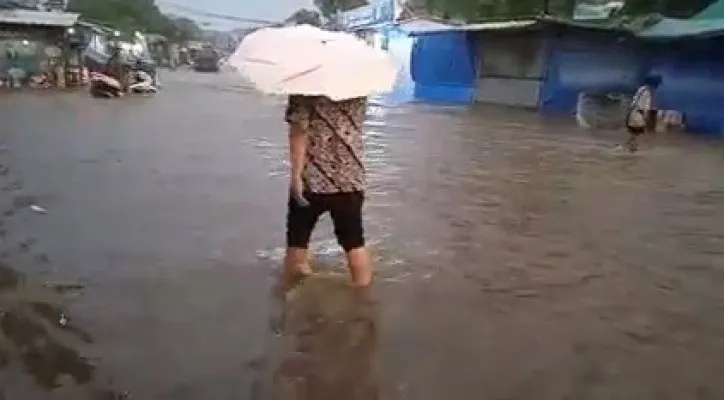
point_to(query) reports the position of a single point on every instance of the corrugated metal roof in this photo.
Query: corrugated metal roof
(707, 23)
(671, 28)
(652, 27)
(586, 12)
(96, 28)
(714, 11)
(421, 25)
(41, 18)
(480, 27)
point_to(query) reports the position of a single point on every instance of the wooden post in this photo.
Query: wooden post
(65, 61)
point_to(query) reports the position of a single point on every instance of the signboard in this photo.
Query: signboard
(55, 5)
(378, 12)
(587, 10)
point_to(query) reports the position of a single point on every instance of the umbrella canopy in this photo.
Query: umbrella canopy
(310, 61)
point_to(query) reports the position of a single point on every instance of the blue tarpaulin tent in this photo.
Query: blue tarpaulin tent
(610, 57)
(590, 61)
(443, 67)
(685, 53)
(691, 65)
(693, 83)
(444, 61)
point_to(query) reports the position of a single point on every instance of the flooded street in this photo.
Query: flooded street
(518, 258)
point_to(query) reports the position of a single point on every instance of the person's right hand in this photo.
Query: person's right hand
(296, 190)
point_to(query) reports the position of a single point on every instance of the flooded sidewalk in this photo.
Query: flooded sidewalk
(518, 257)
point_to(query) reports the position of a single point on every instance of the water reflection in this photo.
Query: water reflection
(39, 337)
(530, 261)
(326, 343)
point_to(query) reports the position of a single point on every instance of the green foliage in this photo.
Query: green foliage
(304, 16)
(186, 29)
(329, 8)
(130, 15)
(669, 8)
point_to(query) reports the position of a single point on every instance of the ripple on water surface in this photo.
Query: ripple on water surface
(528, 225)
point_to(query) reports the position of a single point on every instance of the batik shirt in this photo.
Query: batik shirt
(335, 146)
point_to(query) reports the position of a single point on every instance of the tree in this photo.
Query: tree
(329, 8)
(186, 28)
(131, 15)
(304, 16)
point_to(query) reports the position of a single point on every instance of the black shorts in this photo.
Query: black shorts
(636, 130)
(345, 210)
(651, 119)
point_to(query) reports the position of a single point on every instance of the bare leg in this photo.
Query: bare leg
(359, 263)
(632, 143)
(296, 261)
(296, 268)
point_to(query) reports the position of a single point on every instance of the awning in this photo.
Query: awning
(38, 18)
(480, 27)
(422, 25)
(671, 28)
(707, 23)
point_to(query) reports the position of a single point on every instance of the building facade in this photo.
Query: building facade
(34, 47)
(376, 24)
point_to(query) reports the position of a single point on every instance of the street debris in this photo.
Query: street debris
(64, 287)
(38, 209)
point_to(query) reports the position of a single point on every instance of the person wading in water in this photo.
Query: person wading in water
(641, 116)
(327, 175)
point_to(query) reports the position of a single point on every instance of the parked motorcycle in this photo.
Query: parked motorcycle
(142, 82)
(104, 86)
(138, 81)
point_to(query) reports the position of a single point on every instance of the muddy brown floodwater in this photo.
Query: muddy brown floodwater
(518, 257)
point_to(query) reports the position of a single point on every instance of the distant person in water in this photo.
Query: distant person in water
(641, 116)
(327, 175)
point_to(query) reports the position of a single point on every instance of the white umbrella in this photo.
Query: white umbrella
(310, 61)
